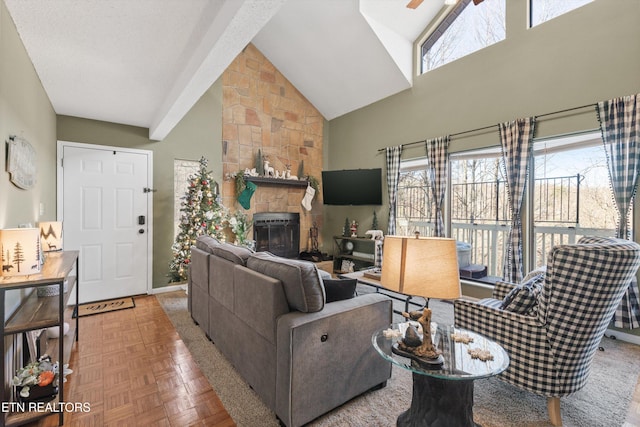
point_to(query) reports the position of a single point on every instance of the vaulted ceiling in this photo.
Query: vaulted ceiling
(147, 62)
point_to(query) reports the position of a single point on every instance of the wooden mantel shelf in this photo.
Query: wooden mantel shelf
(276, 181)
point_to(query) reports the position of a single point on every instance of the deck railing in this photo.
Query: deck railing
(488, 240)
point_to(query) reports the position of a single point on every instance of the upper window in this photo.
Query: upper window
(543, 10)
(467, 29)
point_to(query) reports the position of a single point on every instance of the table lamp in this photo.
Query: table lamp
(20, 251)
(426, 267)
(51, 235)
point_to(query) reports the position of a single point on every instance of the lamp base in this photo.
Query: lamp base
(423, 362)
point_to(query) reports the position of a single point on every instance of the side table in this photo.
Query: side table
(443, 397)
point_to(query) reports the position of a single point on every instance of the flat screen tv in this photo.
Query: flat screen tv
(352, 187)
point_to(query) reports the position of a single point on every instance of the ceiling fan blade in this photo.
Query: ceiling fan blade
(414, 4)
(477, 2)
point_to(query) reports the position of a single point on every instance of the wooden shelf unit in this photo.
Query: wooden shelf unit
(35, 313)
(364, 245)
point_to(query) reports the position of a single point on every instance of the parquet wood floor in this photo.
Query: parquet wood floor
(133, 369)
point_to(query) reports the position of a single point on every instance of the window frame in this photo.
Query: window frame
(437, 28)
(530, 10)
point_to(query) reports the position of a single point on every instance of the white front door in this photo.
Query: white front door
(105, 213)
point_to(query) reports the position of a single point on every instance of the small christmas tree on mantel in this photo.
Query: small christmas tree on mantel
(202, 213)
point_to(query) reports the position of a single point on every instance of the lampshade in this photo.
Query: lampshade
(51, 235)
(20, 251)
(423, 266)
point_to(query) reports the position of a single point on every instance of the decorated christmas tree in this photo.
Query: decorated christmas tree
(202, 213)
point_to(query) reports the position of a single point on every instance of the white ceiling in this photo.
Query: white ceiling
(147, 62)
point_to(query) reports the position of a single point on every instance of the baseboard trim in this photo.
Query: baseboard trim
(171, 288)
(623, 336)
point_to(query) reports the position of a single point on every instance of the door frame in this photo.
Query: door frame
(60, 192)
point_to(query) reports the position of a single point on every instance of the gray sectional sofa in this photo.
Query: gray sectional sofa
(268, 316)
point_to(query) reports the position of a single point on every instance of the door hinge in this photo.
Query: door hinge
(149, 190)
(62, 162)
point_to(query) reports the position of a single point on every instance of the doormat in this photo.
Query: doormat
(100, 307)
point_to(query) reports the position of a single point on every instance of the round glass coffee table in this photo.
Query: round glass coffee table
(443, 396)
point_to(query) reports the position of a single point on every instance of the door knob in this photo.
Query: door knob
(141, 231)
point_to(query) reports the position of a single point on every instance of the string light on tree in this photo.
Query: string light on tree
(201, 213)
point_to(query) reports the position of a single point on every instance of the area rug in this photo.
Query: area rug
(604, 401)
(100, 307)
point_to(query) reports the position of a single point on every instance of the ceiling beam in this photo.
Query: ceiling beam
(233, 28)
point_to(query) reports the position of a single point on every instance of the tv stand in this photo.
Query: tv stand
(359, 250)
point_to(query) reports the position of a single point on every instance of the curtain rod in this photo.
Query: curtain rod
(492, 126)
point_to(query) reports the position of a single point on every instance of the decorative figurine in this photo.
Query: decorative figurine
(354, 228)
(421, 350)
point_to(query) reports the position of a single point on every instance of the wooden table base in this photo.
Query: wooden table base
(439, 403)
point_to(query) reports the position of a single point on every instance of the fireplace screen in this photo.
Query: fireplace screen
(278, 233)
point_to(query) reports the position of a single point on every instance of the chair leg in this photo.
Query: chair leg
(553, 407)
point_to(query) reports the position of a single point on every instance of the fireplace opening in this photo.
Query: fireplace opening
(277, 232)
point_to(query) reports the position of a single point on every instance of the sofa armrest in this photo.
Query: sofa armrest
(501, 289)
(326, 358)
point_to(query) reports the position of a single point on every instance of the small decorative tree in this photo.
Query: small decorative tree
(202, 213)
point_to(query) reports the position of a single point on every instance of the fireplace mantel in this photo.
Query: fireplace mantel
(276, 181)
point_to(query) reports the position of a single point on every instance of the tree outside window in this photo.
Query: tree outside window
(467, 29)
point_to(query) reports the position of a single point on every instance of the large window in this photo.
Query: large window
(467, 29)
(479, 206)
(572, 197)
(543, 10)
(568, 196)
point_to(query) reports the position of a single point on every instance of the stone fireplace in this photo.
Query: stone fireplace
(277, 232)
(263, 113)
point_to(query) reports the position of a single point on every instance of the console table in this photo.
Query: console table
(39, 312)
(444, 396)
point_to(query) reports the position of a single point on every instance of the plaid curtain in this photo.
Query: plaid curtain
(620, 126)
(393, 176)
(437, 154)
(516, 139)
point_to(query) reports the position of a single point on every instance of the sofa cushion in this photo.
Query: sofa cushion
(233, 253)
(207, 243)
(300, 279)
(523, 298)
(339, 289)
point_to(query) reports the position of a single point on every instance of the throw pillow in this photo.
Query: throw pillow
(540, 271)
(339, 289)
(523, 298)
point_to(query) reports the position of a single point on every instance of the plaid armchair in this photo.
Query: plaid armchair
(552, 341)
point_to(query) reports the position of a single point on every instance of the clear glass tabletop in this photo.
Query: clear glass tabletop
(458, 361)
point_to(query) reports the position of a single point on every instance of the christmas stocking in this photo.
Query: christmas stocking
(308, 197)
(245, 197)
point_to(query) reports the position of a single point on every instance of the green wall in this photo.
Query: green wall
(198, 134)
(579, 58)
(25, 111)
